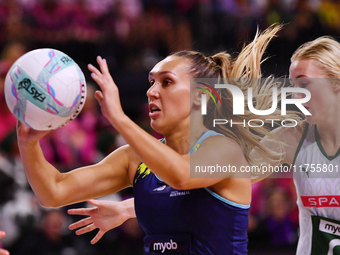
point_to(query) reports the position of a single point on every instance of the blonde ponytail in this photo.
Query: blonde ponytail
(244, 72)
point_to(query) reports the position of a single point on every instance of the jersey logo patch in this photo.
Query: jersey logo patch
(142, 170)
(160, 188)
(196, 146)
(177, 193)
(320, 201)
(304, 170)
(325, 236)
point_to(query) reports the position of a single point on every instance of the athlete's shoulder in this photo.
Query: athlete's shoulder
(220, 146)
(124, 156)
(214, 139)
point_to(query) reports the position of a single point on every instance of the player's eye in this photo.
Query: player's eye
(166, 82)
(302, 83)
(152, 82)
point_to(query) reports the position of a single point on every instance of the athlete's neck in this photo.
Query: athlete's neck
(330, 137)
(182, 142)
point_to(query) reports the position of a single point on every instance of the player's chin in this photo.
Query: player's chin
(153, 124)
(156, 125)
(311, 120)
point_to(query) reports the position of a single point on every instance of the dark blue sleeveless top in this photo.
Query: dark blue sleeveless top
(197, 221)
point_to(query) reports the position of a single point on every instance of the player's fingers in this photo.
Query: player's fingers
(97, 237)
(93, 69)
(100, 80)
(80, 211)
(102, 64)
(94, 202)
(99, 96)
(22, 126)
(81, 223)
(86, 229)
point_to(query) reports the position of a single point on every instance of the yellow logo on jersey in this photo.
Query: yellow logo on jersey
(196, 146)
(142, 170)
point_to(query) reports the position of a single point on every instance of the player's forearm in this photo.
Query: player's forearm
(41, 175)
(166, 163)
(130, 207)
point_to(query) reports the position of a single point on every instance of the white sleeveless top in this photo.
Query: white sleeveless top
(317, 182)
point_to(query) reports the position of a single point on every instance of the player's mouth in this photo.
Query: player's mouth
(307, 108)
(154, 110)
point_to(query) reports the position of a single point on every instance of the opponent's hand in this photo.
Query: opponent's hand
(105, 216)
(108, 97)
(2, 251)
(27, 135)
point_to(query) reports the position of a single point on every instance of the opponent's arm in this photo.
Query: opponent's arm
(54, 189)
(105, 216)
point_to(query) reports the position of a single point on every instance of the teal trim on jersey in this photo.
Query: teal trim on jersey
(318, 142)
(303, 137)
(224, 200)
(205, 135)
(158, 178)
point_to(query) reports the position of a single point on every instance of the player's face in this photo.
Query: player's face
(169, 95)
(306, 73)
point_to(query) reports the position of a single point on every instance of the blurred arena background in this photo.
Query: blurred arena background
(133, 35)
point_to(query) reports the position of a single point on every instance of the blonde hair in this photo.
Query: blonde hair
(243, 71)
(325, 50)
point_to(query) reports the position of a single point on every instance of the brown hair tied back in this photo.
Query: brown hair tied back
(211, 60)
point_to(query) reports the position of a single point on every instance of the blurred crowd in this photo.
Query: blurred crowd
(133, 35)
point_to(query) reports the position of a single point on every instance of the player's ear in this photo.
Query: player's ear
(201, 94)
(336, 85)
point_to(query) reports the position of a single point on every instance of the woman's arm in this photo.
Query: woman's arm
(54, 189)
(166, 163)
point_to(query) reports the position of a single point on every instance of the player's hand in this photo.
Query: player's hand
(108, 97)
(2, 251)
(28, 135)
(105, 216)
